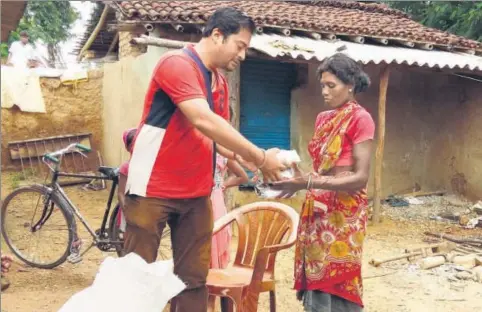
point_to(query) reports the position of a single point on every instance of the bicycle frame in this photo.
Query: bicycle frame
(48, 159)
(57, 188)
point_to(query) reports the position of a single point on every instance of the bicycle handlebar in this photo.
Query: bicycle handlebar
(74, 147)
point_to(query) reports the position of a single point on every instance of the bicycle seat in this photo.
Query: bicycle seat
(110, 172)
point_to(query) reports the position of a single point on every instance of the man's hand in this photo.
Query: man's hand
(272, 166)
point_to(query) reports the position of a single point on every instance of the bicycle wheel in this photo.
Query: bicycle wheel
(117, 226)
(37, 226)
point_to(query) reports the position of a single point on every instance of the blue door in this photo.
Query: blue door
(265, 93)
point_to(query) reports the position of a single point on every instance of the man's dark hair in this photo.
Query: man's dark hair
(347, 70)
(229, 21)
(23, 33)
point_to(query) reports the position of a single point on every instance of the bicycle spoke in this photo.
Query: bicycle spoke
(45, 244)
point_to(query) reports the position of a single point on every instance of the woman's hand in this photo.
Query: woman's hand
(290, 186)
(248, 165)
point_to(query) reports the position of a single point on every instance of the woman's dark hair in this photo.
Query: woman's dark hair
(129, 138)
(229, 21)
(347, 70)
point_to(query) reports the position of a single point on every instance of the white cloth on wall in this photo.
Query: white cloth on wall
(21, 87)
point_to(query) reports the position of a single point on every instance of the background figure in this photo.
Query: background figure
(222, 240)
(127, 137)
(22, 53)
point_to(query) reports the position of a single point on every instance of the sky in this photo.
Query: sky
(78, 29)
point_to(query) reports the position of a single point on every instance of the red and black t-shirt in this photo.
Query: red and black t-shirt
(170, 158)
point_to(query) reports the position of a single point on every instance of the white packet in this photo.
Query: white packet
(287, 158)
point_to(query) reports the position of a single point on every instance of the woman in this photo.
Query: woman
(333, 218)
(222, 240)
(237, 176)
(127, 138)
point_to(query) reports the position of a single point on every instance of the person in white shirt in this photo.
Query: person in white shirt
(22, 53)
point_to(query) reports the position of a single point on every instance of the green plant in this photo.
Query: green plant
(463, 18)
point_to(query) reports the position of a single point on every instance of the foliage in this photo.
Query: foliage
(463, 18)
(49, 21)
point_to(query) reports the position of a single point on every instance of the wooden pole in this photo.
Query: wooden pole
(95, 32)
(159, 42)
(382, 100)
(169, 43)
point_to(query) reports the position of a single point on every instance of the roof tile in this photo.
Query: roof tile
(341, 18)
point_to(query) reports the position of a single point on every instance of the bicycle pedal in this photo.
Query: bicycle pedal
(74, 258)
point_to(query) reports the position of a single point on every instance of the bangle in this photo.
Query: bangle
(309, 184)
(263, 163)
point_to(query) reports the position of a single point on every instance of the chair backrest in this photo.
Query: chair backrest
(264, 224)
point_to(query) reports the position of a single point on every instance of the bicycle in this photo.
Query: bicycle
(55, 205)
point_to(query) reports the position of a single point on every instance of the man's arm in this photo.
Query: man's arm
(9, 59)
(178, 77)
(197, 111)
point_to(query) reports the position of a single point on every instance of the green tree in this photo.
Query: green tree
(48, 21)
(463, 18)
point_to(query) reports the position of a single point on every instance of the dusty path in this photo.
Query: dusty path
(405, 289)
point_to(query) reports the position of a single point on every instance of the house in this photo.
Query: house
(430, 80)
(12, 12)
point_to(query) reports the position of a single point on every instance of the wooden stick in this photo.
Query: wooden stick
(380, 143)
(378, 262)
(421, 194)
(455, 239)
(379, 275)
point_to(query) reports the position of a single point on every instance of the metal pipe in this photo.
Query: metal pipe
(149, 27)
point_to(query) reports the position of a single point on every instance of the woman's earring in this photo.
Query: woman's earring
(350, 90)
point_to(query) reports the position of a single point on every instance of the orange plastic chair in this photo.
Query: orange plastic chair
(264, 229)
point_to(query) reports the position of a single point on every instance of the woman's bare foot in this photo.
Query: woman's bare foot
(6, 263)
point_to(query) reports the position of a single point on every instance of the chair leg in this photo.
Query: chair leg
(211, 303)
(227, 305)
(272, 301)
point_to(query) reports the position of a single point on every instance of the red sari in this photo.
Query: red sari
(332, 223)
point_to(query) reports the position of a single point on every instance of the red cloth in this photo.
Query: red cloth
(360, 129)
(333, 223)
(170, 158)
(124, 168)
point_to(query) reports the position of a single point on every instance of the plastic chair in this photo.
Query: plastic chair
(264, 229)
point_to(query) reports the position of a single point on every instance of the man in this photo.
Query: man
(21, 53)
(171, 167)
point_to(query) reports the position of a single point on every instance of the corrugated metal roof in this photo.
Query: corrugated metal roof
(311, 49)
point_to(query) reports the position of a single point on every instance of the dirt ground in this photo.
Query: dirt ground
(397, 286)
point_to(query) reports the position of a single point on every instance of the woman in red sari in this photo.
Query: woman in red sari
(334, 215)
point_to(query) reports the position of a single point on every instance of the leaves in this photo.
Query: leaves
(463, 18)
(49, 21)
